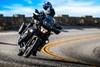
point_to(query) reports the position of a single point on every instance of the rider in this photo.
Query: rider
(48, 9)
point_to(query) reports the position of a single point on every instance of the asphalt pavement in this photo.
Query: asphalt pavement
(73, 47)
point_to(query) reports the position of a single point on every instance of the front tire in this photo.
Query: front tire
(29, 49)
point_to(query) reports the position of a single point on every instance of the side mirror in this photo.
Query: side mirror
(36, 11)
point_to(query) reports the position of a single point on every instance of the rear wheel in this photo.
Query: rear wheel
(30, 46)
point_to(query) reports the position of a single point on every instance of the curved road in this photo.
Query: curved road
(74, 47)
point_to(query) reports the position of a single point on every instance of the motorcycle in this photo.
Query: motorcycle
(33, 36)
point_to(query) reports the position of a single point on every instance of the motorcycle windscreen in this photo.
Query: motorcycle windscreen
(49, 21)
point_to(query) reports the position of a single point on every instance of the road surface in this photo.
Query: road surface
(73, 47)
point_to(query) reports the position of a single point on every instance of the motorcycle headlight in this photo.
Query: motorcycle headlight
(43, 30)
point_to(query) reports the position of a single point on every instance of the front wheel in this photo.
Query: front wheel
(31, 46)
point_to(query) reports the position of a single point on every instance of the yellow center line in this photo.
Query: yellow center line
(46, 48)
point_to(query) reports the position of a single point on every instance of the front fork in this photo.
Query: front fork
(25, 37)
(42, 44)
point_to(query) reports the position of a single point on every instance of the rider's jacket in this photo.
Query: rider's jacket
(50, 11)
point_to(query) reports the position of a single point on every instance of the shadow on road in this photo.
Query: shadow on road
(64, 30)
(8, 44)
(40, 59)
(20, 63)
(62, 61)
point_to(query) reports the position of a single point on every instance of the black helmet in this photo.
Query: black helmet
(46, 5)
